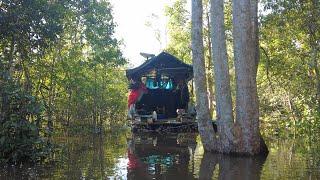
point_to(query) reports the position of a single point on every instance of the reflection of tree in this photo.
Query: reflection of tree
(208, 164)
(292, 159)
(168, 157)
(92, 157)
(231, 167)
(78, 157)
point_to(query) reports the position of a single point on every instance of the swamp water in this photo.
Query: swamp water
(168, 156)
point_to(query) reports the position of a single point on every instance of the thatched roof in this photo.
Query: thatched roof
(165, 64)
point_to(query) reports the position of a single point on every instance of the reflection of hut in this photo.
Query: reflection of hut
(162, 156)
(170, 143)
(165, 77)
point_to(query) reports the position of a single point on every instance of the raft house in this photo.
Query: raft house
(165, 106)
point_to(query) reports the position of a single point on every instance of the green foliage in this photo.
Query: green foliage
(20, 142)
(19, 138)
(179, 30)
(289, 69)
(60, 66)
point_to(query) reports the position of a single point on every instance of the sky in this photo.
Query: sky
(131, 18)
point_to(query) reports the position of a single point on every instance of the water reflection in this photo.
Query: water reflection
(172, 157)
(122, 155)
(157, 156)
(230, 167)
(79, 157)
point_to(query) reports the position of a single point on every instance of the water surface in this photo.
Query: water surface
(124, 155)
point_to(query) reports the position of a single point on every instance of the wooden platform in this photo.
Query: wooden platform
(167, 125)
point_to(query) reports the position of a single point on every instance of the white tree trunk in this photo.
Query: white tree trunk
(222, 77)
(204, 122)
(246, 61)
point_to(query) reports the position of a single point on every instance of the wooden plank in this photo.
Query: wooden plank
(167, 126)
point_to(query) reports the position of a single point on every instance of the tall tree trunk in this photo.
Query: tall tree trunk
(50, 109)
(222, 77)
(210, 77)
(246, 56)
(313, 28)
(314, 59)
(204, 123)
(95, 102)
(4, 80)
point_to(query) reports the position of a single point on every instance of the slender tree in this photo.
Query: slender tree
(222, 77)
(204, 123)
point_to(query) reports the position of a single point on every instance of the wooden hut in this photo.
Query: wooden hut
(165, 78)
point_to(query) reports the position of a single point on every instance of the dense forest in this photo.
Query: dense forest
(61, 67)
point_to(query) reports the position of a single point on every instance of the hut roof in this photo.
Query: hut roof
(164, 63)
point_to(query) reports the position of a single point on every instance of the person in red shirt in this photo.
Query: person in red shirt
(137, 89)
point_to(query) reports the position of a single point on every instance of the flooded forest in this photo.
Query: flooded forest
(234, 94)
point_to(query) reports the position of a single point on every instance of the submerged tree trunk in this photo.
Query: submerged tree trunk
(222, 77)
(242, 136)
(246, 58)
(204, 123)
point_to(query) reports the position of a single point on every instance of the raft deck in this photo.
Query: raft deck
(169, 125)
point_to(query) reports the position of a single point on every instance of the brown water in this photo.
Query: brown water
(168, 156)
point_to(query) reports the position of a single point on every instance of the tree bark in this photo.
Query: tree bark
(210, 76)
(246, 59)
(204, 123)
(222, 77)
